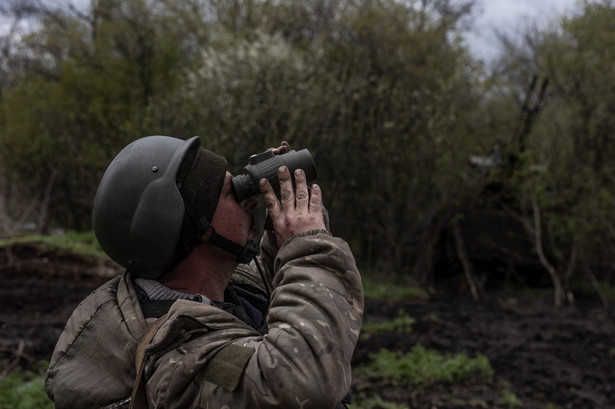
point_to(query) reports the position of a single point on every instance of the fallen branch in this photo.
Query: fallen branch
(18, 356)
(15, 361)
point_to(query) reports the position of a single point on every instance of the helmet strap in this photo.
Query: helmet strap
(244, 253)
(199, 225)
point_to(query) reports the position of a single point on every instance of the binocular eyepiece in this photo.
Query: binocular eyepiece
(266, 165)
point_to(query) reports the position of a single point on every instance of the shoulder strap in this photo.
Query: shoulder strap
(138, 399)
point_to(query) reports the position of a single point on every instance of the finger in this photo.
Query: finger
(315, 199)
(283, 148)
(271, 200)
(286, 186)
(301, 193)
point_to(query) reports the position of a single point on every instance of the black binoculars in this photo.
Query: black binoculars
(266, 165)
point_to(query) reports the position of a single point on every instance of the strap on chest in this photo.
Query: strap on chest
(138, 398)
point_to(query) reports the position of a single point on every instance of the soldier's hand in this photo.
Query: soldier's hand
(298, 210)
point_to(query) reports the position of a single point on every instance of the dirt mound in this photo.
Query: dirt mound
(547, 357)
(39, 288)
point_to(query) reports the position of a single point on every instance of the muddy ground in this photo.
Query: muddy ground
(547, 357)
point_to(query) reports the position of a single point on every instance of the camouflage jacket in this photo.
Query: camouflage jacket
(204, 357)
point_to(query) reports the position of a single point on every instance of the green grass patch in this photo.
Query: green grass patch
(374, 401)
(401, 324)
(23, 389)
(509, 400)
(392, 291)
(422, 367)
(83, 243)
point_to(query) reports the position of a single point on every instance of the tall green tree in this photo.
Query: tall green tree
(566, 206)
(382, 92)
(79, 87)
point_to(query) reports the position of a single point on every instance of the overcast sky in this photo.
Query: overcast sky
(509, 16)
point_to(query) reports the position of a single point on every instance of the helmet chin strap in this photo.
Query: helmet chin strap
(244, 253)
(197, 225)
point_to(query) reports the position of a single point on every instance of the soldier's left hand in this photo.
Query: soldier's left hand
(298, 210)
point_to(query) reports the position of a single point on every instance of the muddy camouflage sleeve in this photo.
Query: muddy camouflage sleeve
(304, 360)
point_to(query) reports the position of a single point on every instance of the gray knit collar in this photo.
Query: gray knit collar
(155, 290)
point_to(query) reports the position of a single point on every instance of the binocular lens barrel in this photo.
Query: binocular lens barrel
(266, 165)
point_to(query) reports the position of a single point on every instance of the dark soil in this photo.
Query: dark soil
(547, 357)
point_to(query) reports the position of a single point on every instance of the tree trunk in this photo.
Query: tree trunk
(558, 293)
(465, 262)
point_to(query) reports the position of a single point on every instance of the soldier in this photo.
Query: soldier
(198, 320)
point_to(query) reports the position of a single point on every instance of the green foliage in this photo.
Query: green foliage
(509, 400)
(21, 389)
(401, 324)
(402, 139)
(374, 402)
(394, 290)
(561, 186)
(251, 86)
(422, 367)
(381, 92)
(84, 243)
(80, 91)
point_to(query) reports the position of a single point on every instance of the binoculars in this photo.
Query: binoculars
(266, 165)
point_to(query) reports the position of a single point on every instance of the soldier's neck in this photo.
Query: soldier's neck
(206, 271)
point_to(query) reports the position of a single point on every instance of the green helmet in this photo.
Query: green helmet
(139, 209)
